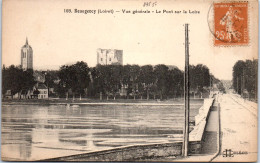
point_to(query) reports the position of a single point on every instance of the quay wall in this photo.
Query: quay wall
(196, 136)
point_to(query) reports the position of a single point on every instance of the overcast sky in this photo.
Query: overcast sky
(58, 38)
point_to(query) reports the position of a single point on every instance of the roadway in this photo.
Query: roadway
(237, 138)
(238, 123)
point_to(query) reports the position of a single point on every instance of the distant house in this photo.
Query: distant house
(43, 90)
(8, 94)
(40, 86)
(30, 94)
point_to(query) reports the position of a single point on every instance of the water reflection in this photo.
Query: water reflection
(31, 132)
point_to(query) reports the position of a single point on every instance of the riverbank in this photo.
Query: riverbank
(85, 101)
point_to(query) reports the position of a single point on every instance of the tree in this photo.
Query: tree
(154, 90)
(199, 77)
(65, 80)
(50, 78)
(238, 69)
(27, 80)
(12, 80)
(75, 78)
(107, 79)
(134, 76)
(176, 82)
(250, 77)
(146, 79)
(93, 87)
(101, 79)
(162, 79)
(126, 79)
(17, 80)
(115, 79)
(245, 77)
(4, 80)
(82, 77)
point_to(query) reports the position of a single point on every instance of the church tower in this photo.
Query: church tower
(26, 56)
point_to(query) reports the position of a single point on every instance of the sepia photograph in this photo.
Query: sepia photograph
(129, 80)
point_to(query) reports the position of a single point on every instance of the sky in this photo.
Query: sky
(59, 38)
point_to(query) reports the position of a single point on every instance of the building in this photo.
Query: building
(26, 56)
(43, 90)
(109, 57)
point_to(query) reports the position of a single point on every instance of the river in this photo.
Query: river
(33, 132)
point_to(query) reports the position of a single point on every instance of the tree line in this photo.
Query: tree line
(245, 78)
(111, 81)
(15, 79)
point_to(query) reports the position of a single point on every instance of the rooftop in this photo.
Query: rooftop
(42, 86)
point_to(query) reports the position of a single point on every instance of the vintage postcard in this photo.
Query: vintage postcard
(129, 80)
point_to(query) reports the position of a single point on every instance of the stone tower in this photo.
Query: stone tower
(109, 57)
(26, 56)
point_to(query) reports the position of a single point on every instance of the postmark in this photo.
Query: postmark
(231, 23)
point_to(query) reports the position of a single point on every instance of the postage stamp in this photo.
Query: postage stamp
(231, 23)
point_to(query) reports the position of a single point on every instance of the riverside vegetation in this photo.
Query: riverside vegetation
(112, 81)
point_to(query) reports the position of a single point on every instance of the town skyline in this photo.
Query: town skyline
(93, 64)
(145, 39)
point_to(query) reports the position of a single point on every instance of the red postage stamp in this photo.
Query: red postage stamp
(231, 23)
